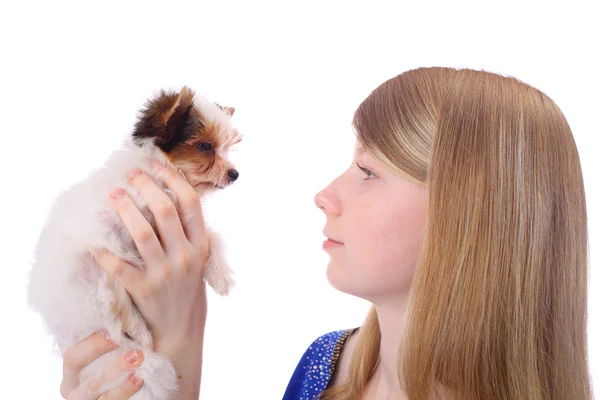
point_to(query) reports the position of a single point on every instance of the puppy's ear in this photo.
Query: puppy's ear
(182, 103)
(164, 117)
(174, 119)
(229, 110)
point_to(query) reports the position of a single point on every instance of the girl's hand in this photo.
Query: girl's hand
(83, 353)
(169, 291)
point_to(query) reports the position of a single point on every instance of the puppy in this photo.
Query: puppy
(72, 293)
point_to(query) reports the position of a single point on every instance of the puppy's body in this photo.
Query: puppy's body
(73, 294)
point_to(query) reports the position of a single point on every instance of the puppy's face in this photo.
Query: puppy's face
(194, 134)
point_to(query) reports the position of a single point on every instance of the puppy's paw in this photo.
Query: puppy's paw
(221, 281)
(218, 274)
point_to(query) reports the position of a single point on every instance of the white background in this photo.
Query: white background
(74, 74)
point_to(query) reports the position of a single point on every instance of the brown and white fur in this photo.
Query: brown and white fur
(72, 293)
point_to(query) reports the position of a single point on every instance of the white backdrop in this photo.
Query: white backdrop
(74, 74)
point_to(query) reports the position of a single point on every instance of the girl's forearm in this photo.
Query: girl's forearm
(186, 353)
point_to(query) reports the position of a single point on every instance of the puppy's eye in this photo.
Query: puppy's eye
(204, 146)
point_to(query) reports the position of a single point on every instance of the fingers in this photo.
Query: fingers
(189, 206)
(78, 356)
(115, 370)
(140, 229)
(126, 273)
(164, 210)
(111, 374)
(125, 390)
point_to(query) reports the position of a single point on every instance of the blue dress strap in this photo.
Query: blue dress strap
(316, 367)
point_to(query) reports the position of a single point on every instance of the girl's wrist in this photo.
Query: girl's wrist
(184, 348)
(178, 337)
(186, 357)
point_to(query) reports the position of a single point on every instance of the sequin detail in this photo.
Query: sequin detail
(316, 367)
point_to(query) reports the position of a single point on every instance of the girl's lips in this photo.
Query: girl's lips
(328, 244)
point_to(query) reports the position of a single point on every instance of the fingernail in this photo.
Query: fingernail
(131, 357)
(134, 378)
(134, 173)
(117, 193)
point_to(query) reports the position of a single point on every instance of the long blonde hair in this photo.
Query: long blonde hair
(498, 303)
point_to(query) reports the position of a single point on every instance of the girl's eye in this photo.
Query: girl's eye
(204, 146)
(370, 174)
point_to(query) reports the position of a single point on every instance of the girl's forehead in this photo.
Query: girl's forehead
(358, 148)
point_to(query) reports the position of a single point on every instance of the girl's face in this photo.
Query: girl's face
(376, 222)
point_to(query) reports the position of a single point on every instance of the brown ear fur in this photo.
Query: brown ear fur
(163, 115)
(181, 103)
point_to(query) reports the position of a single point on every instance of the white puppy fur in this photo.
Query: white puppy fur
(75, 296)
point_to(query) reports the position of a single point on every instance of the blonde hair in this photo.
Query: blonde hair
(498, 303)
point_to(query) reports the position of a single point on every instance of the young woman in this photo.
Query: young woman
(462, 219)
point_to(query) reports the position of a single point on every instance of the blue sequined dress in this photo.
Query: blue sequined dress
(317, 366)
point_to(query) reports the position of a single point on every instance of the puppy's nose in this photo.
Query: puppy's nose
(232, 174)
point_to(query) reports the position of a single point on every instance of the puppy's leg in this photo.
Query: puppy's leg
(218, 274)
(128, 315)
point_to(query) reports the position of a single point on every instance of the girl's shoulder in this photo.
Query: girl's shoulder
(319, 364)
